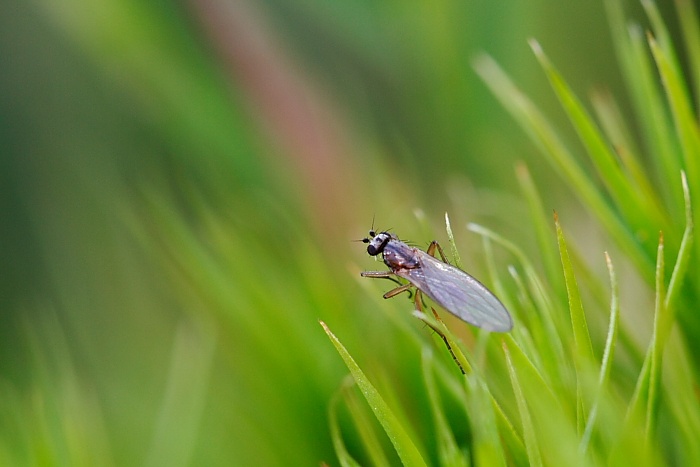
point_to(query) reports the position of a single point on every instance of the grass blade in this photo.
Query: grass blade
(442, 330)
(617, 131)
(625, 195)
(656, 347)
(582, 339)
(543, 227)
(405, 448)
(448, 449)
(455, 253)
(608, 353)
(553, 326)
(681, 267)
(542, 133)
(690, 26)
(642, 83)
(364, 426)
(344, 457)
(531, 444)
(681, 111)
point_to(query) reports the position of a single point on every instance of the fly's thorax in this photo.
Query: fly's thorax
(398, 255)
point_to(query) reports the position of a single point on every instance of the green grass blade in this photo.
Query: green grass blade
(449, 452)
(510, 438)
(681, 111)
(660, 30)
(680, 269)
(455, 253)
(542, 133)
(641, 82)
(443, 331)
(405, 448)
(616, 129)
(364, 426)
(344, 457)
(656, 347)
(582, 339)
(553, 326)
(530, 376)
(487, 447)
(690, 27)
(185, 395)
(531, 443)
(543, 228)
(681, 381)
(608, 354)
(625, 195)
(509, 435)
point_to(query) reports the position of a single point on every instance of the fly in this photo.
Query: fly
(451, 288)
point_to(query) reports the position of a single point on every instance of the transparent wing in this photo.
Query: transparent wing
(459, 293)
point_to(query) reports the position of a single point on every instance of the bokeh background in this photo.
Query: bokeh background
(181, 184)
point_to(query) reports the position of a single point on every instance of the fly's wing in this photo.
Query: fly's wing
(459, 293)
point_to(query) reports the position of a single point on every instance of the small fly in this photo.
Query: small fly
(451, 288)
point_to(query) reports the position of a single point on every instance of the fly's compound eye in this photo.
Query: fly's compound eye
(377, 243)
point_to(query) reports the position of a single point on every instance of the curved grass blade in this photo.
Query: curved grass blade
(690, 27)
(627, 198)
(582, 339)
(501, 424)
(531, 444)
(617, 131)
(344, 457)
(450, 236)
(656, 346)
(641, 80)
(449, 453)
(608, 353)
(681, 267)
(509, 436)
(553, 326)
(405, 448)
(681, 111)
(363, 424)
(487, 447)
(543, 134)
(185, 397)
(640, 404)
(442, 330)
(542, 224)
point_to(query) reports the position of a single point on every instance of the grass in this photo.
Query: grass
(572, 398)
(172, 239)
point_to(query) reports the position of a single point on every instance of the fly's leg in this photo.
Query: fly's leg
(388, 275)
(431, 251)
(398, 290)
(378, 274)
(419, 307)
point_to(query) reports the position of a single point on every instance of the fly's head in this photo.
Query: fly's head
(377, 242)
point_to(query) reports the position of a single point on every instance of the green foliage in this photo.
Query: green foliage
(180, 181)
(575, 399)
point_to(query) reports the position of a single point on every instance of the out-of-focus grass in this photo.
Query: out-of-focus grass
(180, 184)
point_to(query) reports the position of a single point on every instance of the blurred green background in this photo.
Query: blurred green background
(181, 184)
